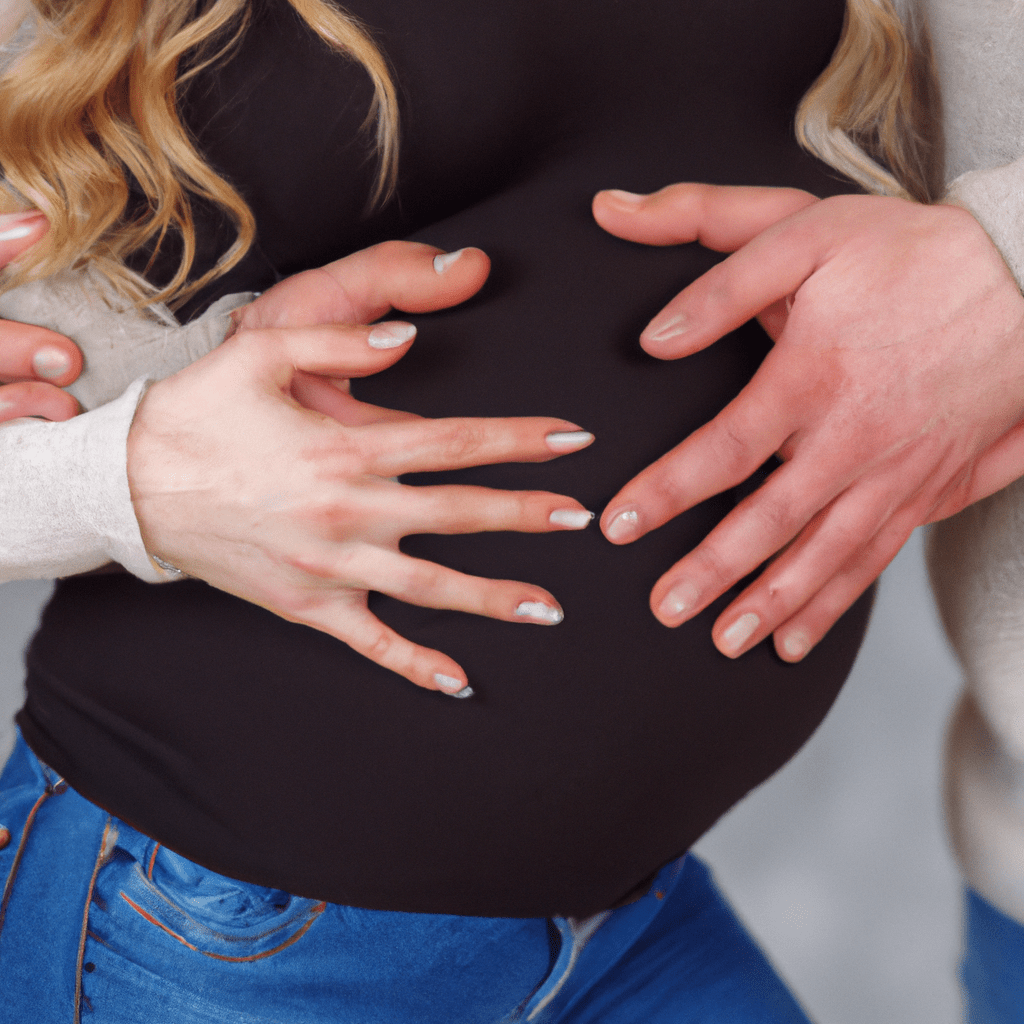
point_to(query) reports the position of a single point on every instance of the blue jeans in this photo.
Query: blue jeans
(993, 966)
(101, 924)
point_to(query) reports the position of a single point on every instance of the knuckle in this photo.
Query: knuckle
(380, 646)
(713, 563)
(464, 439)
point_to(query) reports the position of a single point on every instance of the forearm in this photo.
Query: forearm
(65, 505)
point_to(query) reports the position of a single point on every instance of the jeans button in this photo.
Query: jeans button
(5, 836)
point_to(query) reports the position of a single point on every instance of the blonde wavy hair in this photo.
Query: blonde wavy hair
(90, 105)
(874, 113)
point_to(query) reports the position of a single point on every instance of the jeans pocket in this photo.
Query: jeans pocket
(211, 914)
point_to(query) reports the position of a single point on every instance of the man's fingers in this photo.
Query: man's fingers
(720, 217)
(365, 286)
(795, 638)
(833, 541)
(770, 267)
(33, 398)
(717, 456)
(28, 352)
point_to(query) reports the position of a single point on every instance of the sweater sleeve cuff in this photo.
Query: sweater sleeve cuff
(995, 197)
(72, 477)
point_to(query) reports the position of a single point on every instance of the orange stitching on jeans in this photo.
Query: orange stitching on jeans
(152, 861)
(315, 913)
(152, 920)
(85, 922)
(9, 888)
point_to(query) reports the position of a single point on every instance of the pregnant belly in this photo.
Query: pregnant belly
(593, 751)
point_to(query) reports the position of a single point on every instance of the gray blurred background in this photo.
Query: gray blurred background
(838, 864)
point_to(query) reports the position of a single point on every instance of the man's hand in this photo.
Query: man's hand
(894, 395)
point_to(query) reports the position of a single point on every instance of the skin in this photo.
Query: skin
(34, 363)
(254, 469)
(894, 395)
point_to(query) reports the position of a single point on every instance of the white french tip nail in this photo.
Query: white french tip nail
(538, 611)
(740, 632)
(444, 260)
(628, 198)
(568, 440)
(682, 598)
(50, 362)
(20, 231)
(390, 335)
(796, 645)
(623, 525)
(452, 686)
(671, 328)
(571, 518)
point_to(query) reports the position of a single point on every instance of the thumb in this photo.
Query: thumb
(720, 217)
(19, 232)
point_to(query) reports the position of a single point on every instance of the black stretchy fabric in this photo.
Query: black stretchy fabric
(595, 751)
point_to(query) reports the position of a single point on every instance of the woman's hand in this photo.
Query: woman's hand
(34, 363)
(253, 471)
(893, 396)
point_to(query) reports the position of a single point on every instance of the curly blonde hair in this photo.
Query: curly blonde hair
(874, 113)
(91, 105)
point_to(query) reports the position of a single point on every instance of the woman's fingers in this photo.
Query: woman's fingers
(33, 398)
(19, 232)
(35, 353)
(428, 446)
(459, 509)
(368, 284)
(349, 620)
(719, 217)
(357, 568)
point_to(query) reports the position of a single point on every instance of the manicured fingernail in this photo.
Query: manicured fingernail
(571, 518)
(682, 598)
(452, 686)
(740, 632)
(391, 335)
(538, 611)
(796, 644)
(568, 440)
(51, 362)
(624, 197)
(18, 225)
(443, 261)
(623, 525)
(663, 330)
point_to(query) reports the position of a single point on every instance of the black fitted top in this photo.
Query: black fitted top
(595, 751)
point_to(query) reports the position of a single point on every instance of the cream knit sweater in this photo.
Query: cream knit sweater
(977, 558)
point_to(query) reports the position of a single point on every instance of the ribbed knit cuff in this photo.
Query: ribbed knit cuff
(996, 198)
